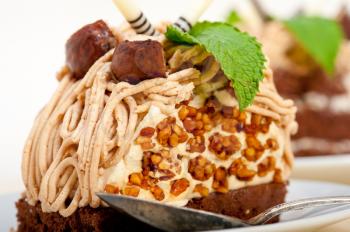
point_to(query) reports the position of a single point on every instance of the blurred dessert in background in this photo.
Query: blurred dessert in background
(310, 60)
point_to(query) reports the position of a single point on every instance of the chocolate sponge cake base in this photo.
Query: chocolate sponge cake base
(243, 203)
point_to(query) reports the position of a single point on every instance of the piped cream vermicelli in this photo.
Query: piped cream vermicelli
(88, 125)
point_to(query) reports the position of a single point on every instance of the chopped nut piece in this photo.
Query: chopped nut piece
(202, 190)
(223, 146)
(196, 144)
(147, 132)
(135, 179)
(173, 140)
(131, 191)
(179, 186)
(229, 125)
(200, 168)
(183, 112)
(157, 193)
(249, 153)
(189, 124)
(169, 133)
(245, 174)
(156, 159)
(220, 183)
(254, 143)
(111, 188)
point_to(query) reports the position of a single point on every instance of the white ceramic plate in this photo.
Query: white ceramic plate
(334, 168)
(297, 221)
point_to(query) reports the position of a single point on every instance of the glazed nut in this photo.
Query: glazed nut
(196, 144)
(200, 168)
(249, 154)
(183, 112)
(202, 190)
(147, 132)
(132, 191)
(189, 124)
(267, 165)
(179, 186)
(157, 193)
(135, 179)
(173, 140)
(229, 125)
(111, 188)
(156, 159)
(245, 174)
(253, 142)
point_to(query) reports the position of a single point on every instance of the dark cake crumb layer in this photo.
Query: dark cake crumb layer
(243, 203)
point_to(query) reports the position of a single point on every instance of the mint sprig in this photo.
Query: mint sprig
(320, 37)
(239, 55)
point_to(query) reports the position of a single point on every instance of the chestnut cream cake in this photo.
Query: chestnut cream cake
(187, 119)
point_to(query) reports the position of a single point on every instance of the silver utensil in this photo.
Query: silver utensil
(171, 218)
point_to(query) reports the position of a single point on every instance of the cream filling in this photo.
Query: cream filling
(308, 143)
(132, 162)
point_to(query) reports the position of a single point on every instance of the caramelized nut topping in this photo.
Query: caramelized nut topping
(111, 188)
(229, 125)
(147, 132)
(179, 186)
(169, 133)
(223, 146)
(157, 193)
(200, 168)
(135, 179)
(220, 183)
(131, 191)
(240, 170)
(202, 190)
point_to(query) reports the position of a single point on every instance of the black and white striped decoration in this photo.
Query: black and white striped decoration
(183, 24)
(142, 26)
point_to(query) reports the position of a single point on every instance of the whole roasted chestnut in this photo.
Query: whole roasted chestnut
(86, 45)
(135, 61)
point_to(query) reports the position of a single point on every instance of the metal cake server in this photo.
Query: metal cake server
(172, 218)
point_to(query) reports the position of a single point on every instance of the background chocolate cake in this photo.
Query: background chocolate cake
(322, 96)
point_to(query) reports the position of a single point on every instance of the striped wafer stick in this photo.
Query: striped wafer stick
(135, 17)
(194, 12)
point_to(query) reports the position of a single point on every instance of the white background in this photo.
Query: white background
(32, 38)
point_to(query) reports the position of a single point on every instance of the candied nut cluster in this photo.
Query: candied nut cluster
(169, 133)
(220, 182)
(254, 148)
(223, 146)
(200, 168)
(179, 186)
(241, 171)
(158, 162)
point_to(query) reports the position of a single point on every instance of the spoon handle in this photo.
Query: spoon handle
(297, 205)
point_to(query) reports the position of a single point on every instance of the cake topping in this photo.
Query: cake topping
(86, 45)
(135, 61)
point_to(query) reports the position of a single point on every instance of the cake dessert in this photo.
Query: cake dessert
(155, 118)
(322, 97)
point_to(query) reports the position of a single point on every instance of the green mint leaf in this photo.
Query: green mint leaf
(239, 55)
(233, 18)
(320, 37)
(176, 35)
